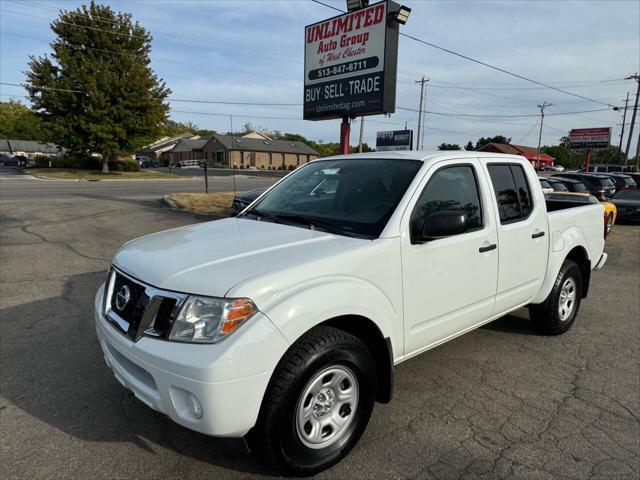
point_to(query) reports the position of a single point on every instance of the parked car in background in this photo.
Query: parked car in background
(546, 188)
(149, 164)
(635, 176)
(628, 204)
(557, 185)
(243, 199)
(23, 161)
(622, 181)
(8, 160)
(610, 210)
(570, 184)
(610, 167)
(599, 185)
(285, 323)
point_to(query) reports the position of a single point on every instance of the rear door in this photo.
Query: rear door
(449, 283)
(523, 235)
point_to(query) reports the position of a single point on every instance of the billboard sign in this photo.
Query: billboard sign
(589, 138)
(394, 140)
(350, 64)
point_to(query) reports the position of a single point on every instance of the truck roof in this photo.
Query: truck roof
(424, 156)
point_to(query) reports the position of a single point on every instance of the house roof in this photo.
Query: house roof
(29, 146)
(190, 144)
(530, 153)
(262, 145)
(165, 142)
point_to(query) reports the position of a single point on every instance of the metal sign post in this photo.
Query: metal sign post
(350, 65)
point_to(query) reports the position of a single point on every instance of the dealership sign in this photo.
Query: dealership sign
(589, 138)
(350, 64)
(394, 140)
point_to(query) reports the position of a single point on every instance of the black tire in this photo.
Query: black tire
(609, 226)
(276, 435)
(548, 316)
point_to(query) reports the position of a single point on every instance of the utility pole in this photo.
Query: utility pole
(361, 133)
(541, 107)
(421, 82)
(635, 77)
(624, 119)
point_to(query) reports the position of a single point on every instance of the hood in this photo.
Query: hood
(210, 258)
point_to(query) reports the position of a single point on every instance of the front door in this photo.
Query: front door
(449, 283)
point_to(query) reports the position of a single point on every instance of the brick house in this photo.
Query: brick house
(256, 150)
(187, 149)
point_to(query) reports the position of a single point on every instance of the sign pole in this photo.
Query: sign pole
(587, 159)
(345, 130)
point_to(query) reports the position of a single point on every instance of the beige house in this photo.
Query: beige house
(255, 150)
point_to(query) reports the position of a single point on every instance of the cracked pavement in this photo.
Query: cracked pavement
(499, 402)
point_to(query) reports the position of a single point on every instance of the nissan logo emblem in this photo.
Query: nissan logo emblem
(122, 297)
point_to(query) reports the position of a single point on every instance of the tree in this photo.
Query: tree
(19, 122)
(448, 146)
(497, 139)
(469, 146)
(96, 92)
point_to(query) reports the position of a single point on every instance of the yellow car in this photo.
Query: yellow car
(610, 211)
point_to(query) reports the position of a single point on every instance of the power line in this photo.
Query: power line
(169, 99)
(130, 35)
(524, 115)
(485, 64)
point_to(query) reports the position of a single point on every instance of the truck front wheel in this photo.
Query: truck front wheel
(558, 312)
(318, 402)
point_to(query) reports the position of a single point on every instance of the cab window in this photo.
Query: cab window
(512, 191)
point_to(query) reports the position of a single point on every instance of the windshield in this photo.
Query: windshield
(633, 194)
(346, 197)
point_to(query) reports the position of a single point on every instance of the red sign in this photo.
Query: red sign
(590, 137)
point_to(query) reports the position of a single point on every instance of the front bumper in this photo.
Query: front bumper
(166, 376)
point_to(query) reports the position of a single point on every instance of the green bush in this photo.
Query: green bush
(70, 161)
(124, 165)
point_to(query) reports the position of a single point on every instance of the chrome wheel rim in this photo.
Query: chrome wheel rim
(609, 223)
(567, 300)
(327, 406)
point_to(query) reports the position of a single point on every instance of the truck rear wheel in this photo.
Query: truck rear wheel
(558, 312)
(318, 402)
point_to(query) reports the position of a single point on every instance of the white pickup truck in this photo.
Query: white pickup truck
(284, 324)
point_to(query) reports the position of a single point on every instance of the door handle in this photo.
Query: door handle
(537, 235)
(488, 248)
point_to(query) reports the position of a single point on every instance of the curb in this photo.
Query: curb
(170, 203)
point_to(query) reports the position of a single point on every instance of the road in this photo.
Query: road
(500, 402)
(15, 186)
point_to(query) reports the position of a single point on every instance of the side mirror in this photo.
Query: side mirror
(444, 224)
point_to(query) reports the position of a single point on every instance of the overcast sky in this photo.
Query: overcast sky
(252, 51)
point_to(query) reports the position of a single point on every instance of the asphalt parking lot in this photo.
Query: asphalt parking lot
(500, 402)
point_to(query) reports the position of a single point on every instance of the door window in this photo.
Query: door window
(512, 192)
(451, 189)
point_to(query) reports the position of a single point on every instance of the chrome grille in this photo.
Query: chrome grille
(146, 311)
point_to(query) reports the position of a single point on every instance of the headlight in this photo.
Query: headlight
(210, 320)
